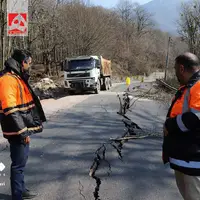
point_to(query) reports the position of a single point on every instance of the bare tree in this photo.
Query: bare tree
(60, 29)
(143, 21)
(2, 29)
(189, 25)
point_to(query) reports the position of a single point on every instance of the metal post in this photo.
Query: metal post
(167, 59)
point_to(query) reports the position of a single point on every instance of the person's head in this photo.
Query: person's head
(23, 57)
(185, 66)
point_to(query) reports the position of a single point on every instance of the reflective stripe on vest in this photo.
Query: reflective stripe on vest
(182, 163)
(180, 123)
(186, 101)
(20, 90)
(186, 108)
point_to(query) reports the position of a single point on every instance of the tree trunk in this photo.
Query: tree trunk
(2, 25)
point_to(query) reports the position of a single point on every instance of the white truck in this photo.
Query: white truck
(87, 73)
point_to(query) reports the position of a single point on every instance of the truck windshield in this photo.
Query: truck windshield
(81, 64)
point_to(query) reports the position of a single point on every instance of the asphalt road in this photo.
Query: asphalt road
(61, 156)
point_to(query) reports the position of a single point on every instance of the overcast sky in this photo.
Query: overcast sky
(112, 3)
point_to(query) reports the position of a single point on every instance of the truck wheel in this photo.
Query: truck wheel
(107, 84)
(110, 82)
(71, 92)
(97, 90)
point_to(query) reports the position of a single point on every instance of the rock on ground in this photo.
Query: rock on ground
(46, 88)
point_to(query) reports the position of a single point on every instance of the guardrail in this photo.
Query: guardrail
(163, 83)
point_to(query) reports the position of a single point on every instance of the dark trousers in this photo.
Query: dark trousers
(19, 156)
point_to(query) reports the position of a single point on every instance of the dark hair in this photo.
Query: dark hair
(189, 61)
(21, 55)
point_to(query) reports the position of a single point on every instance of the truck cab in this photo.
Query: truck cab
(84, 73)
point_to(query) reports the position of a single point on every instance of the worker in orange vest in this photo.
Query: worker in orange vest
(181, 144)
(21, 116)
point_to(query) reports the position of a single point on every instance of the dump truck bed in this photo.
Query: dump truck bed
(105, 67)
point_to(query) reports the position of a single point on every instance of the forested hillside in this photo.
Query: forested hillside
(60, 29)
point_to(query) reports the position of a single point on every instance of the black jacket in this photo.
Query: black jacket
(179, 144)
(26, 118)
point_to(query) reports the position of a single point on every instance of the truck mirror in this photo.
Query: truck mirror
(62, 66)
(98, 64)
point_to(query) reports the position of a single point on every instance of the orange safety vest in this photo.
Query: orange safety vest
(188, 101)
(20, 116)
(23, 99)
(182, 145)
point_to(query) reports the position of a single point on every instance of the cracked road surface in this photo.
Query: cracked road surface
(61, 156)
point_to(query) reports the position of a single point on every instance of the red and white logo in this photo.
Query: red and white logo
(17, 24)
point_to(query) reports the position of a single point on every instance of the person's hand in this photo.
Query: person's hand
(165, 131)
(27, 140)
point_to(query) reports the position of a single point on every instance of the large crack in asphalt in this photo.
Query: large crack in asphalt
(117, 145)
(101, 157)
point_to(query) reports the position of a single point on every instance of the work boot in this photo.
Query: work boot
(28, 194)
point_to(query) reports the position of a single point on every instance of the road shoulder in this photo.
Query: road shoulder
(52, 106)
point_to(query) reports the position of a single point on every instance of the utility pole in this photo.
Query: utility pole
(167, 59)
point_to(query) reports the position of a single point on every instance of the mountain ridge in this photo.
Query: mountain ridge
(165, 13)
